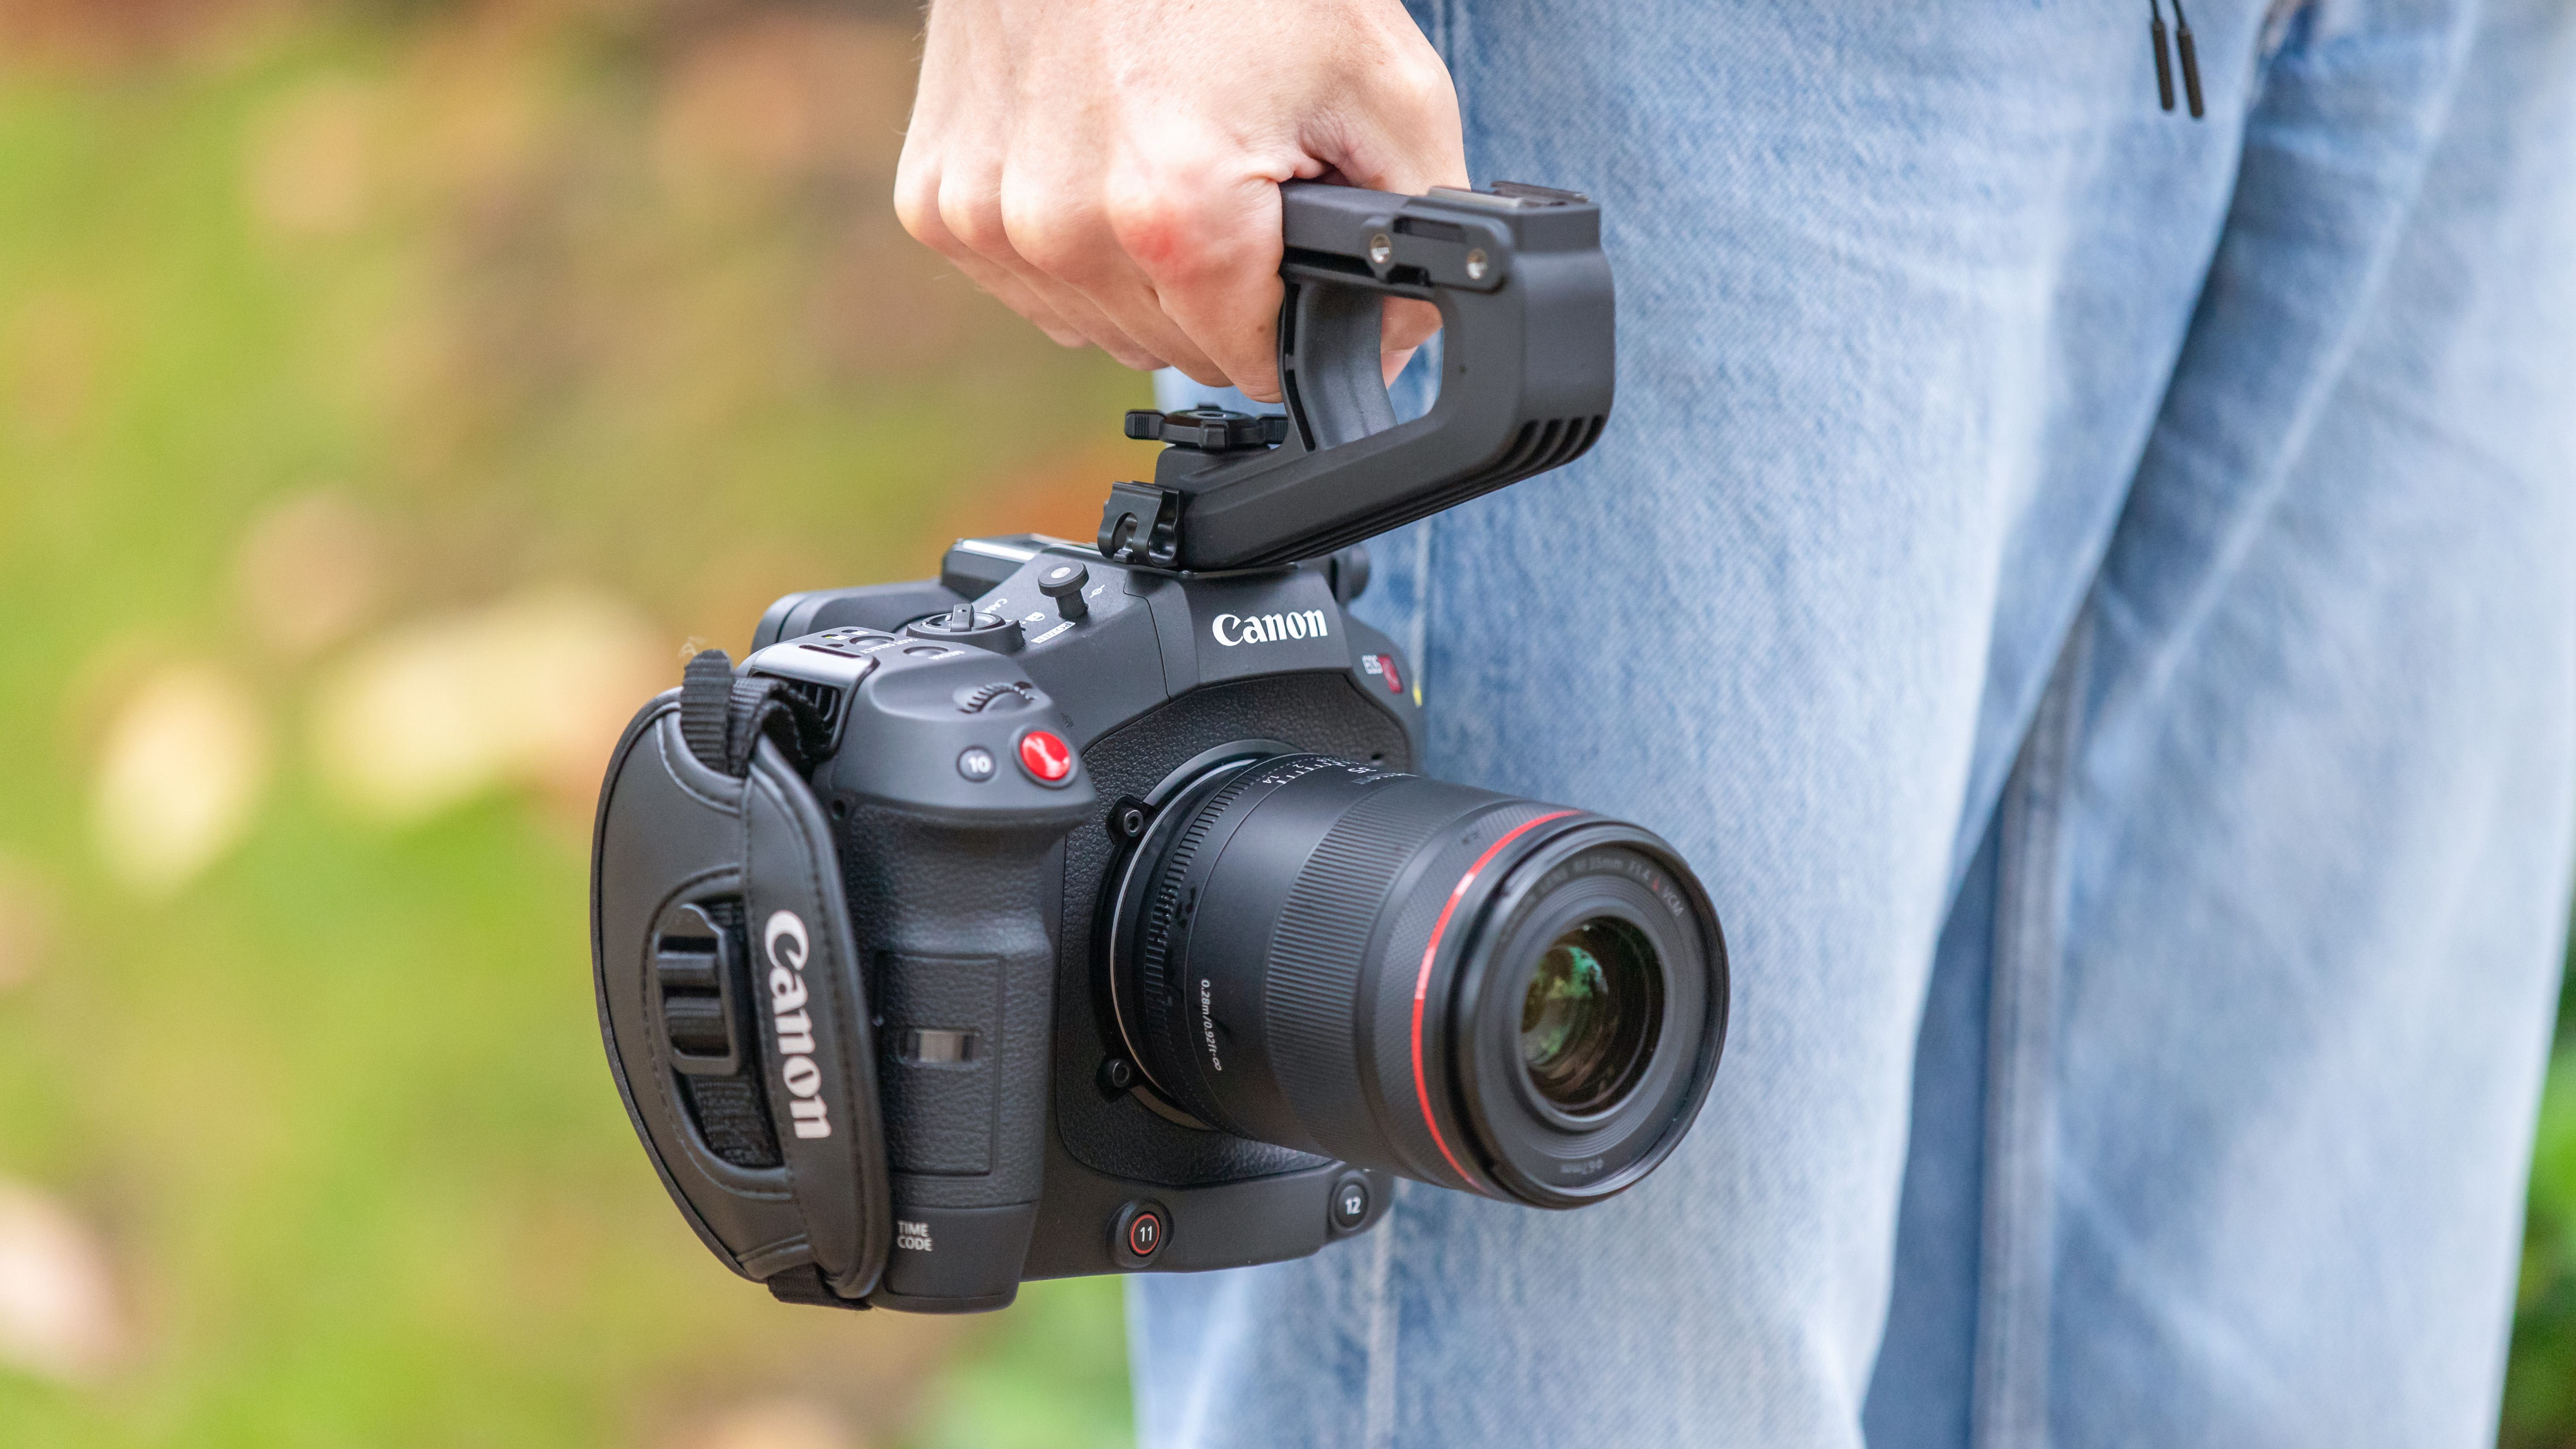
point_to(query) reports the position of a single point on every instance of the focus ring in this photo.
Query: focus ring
(1317, 954)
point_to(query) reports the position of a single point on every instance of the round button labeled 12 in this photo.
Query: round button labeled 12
(1350, 1203)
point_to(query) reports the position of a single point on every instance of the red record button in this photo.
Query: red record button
(1045, 755)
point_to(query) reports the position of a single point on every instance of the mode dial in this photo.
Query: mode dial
(967, 624)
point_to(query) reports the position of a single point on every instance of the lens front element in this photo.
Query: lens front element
(1591, 1015)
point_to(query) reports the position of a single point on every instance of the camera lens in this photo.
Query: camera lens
(1462, 987)
(1589, 1018)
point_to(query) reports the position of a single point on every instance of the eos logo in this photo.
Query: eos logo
(1268, 628)
(784, 942)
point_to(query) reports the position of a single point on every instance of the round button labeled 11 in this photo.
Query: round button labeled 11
(1138, 1232)
(1144, 1234)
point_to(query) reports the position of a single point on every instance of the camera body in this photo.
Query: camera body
(1078, 911)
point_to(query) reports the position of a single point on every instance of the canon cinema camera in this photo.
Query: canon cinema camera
(1076, 911)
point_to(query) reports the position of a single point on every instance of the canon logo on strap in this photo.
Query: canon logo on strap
(785, 943)
(1269, 628)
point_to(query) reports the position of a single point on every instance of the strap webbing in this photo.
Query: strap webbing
(723, 715)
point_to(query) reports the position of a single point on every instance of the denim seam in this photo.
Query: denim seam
(2008, 1405)
(2275, 31)
(1377, 1429)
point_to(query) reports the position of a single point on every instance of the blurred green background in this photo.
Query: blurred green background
(389, 394)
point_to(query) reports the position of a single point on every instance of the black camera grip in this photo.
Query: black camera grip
(962, 977)
(1527, 369)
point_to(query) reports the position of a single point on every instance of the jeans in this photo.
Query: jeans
(2094, 596)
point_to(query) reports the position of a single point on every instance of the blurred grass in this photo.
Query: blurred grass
(2540, 1381)
(548, 295)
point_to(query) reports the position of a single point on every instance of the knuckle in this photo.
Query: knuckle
(1418, 93)
(1057, 232)
(1179, 234)
(1132, 211)
(1430, 88)
(973, 216)
(916, 205)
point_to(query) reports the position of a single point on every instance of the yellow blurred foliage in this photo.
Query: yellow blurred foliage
(531, 690)
(180, 773)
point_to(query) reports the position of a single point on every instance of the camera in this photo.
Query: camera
(1079, 911)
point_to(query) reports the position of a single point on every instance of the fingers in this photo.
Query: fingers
(1147, 278)
(1133, 203)
(942, 192)
(964, 221)
(1073, 236)
(1012, 292)
(1407, 324)
(1209, 255)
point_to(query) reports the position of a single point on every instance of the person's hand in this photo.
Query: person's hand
(1111, 168)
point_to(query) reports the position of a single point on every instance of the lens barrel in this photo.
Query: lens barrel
(1462, 987)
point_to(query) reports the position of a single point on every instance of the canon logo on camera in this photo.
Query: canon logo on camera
(785, 942)
(1269, 628)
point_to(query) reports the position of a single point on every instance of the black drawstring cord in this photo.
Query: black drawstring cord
(2164, 61)
(2190, 59)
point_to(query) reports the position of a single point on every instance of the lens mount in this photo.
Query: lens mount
(1128, 898)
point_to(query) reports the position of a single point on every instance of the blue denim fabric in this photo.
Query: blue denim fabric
(2095, 596)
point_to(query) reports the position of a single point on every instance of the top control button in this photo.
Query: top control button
(1063, 583)
(1045, 755)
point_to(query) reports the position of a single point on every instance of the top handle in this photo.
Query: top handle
(1525, 309)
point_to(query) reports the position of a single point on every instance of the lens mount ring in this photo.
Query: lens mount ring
(1174, 800)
